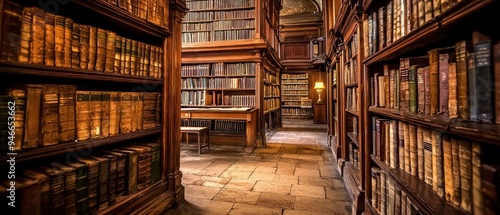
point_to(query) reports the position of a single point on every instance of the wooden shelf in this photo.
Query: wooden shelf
(225, 89)
(69, 147)
(295, 94)
(122, 17)
(352, 112)
(216, 76)
(430, 32)
(482, 132)
(272, 110)
(270, 97)
(229, 29)
(270, 83)
(213, 106)
(151, 190)
(64, 73)
(351, 85)
(223, 9)
(354, 138)
(295, 83)
(419, 191)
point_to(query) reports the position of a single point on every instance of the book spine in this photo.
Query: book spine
(83, 115)
(114, 113)
(428, 173)
(59, 41)
(477, 197)
(420, 154)
(387, 91)
(496, 75)
(106, 114)
(67, 118)
(26, 26)
(389, 23)
(92, 47)
(75, 46)
(434, 81)
(412, 84)
(428, 8)
(32, 116)
(95, 114)
(133, 58)
(443, 82)
(68, 29)
(465, 175)
(50, 115)
(462, 80)
(118, 52)
(125, 113)
(100, 50)
(84, 46)
(49, 55)
(455, 160)
(448, 168)
(413, 150)
(436, 7)
(484, 83)
(421, 12)
(406, 129)
(437, 163)
(11, 31)
(452, 92)
(109, 65)
(401, 147)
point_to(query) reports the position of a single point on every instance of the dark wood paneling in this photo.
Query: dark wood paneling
(296, 51)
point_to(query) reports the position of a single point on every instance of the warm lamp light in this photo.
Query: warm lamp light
(319, 86)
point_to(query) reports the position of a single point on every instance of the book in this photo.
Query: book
(118, 52)
(83, 115)
(436, 7)
(420, 154)
(496, 75)
(100, 60)
(434, 81)
(27, 194)
(428, 173)
(437, 163)
(477, 197)
(402, 144)
(421, 12)
(389, 23)
(465, 175)
(121, 181)
(448, 168)
(95, 114)
(92, 47)
(67, 115)
(109, 61)
(446, 56)
(461, 49)
(383, 193)
(155, 161)
(113, 177)
(59, 41)
(134, 117)
(413, 149)
(49, 46)
(393, 144)
(406, 130)
(412, 91)
(84, 46)
(44, 182)
(452, 91)
(69, 187)
(106, 114)
(49, 115)
(455, 156)
(81, 188)
(381, 91)
(26, 35)
(75, 46)
(131, 165)
(56, 178)
(19, 98)
(125, 112)
(114, 113)
(133, 58)
(483, 79)
(103, 188)
(68, 29)
(11, 31)
(144, 166)
(92, 183)
(421, 90)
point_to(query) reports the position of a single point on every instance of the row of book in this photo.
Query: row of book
(294, 81)
(450, 165)
(398, 18)
(220, 35)
(270, 77)
(219, 4)
(295, 87)
(47, 114)
(218, 69)
(201, 16)
(271, 103)
(202, 97)
(153, 11)
(218, 25)
(293, 98)
(271, 91)
(457, 82)
(351, 72)
(296, 111)
(388, 198)
(230, 125)
(30, 35)
(295, 92)
(218, 83)
(354, 155)
(86, 185)
(295, 76)
(293, 103)
(352, 99)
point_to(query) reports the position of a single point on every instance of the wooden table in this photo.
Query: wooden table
(249, 115)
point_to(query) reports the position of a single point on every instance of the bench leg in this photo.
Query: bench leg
(199, 144)
(207, 139)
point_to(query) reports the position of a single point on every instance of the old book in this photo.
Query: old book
(49, 115)
(92, 47)
(128, 50)
(402, 144)
(387, 86)
(404, 203)
(483, 78)
(84, 46)
(103, 181)
(83, 114)
(413, 149)
(122, 56)
(412, 91)
(44, 182)
(455, 160)
(406, 130)
(27, 196)
(106, 114)
(446, 56)
(383, 193)
(134, 117)
(67, 117)
(155, 161)
(489, 184)
(140, 59)
(477, 200)
(389, 23)
(376, 90)
(159, 105)
(437, 163)
(428, 173)
(452, 91)
(113, 176)
(140, 111)
(434, 81)
(69, 187)
(420, 90)
(448, 168)
(420, 154)
(18, 96)
(75, 46)
(389, 134)
(393, 144)
(81, 188)
(68, 29)
(144, 166)
(473, 101)
(496, 75)
(118, 52)
(465, 151)
(381, 91)
(429, 9)
(31, 125)
(121, 182)
(381, 28)
(375, 181)
(110, 52)
(133, 58)
(56, 199)
(414, 15)
(445, 4)
(421, 12)
(49, 42)
(59, 41)
(114, 113)
(391, 194)
(436, 4)
(26, 35)
(462, 51)
(147, 60)
(95, 114)
(131, 165)
(125, 112)
(396, 27)
(100, 49)
(11, 31)
(92, 183)
(149, 110)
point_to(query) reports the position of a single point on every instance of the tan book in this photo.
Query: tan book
(95, 114)
(149, 110)
(134, 111)
(381, 91)
(11, 31)
(106, 114)
(100, 49)
(122, 56)
(126, 112)
(448, 168)
(160, 64)
(50, 115)
(49, 55)
(437, 163)
(455, 156)
(110, 52)
(413, 150)
(406, 129)
(140, 111)
(420, 154)
(114, 113)
(103, 190)
(140, 58)
(75, 46)
(429, 9)
(428, 173)
(393, 136)
(465, 175)
(128, 50)
(82, 115)
(461, 49)
(436, 4)
(68, 33)
(401, 148)
(147, 60)
(26, 36)
(67, 115)
(434, 80)
(59, 41)
(159, 105)
(19, 96)
(92, 47)
(452, 91)
(133, 58)
(118, 52)
(84, 46)
(387, 140)
(477, 196)
(32, 116)
(131, 165)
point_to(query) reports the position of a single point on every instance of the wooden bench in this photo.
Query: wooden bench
(198, 131)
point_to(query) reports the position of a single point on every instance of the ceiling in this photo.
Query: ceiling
(296, 7)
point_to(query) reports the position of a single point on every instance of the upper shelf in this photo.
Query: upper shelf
(435, 30)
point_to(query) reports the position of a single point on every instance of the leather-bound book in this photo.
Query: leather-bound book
(67, 115)
(152, 62)
(496, 75)
(113, 176)
(84, 46)
(452, 91)
(75, 46)
(387, 86)
(140, 111)
(56, 199)
(114, 113)
(49, 46)
(412, 88)
(402, 144)
(128, 51)
(404, 203)
(162, 9)
(421, 12)
(381, 27)
(59, 41)
(50, 115)
(100, 49)
(434, 81)
(32, 116)
(413, 149)
(414, 15)
(133, 58)
(158, 109)
(11, 31)
(406, 129)
(465, 151)
(397, 200)
(462, 50)
(160, 64)
(151, 11)
(376, 90)
(375, 180)
(140, 59)
(446, 56)
(134, 118)
(68, 33)
(484, 77)
(420, 154)
(381, 91)
(92, 47)
(144, 166)
(388, 139)
(147, 60)
(122, 56)
(389, 23)
(404, 97)
(121, 183)
(131, 165)
(391, 194)
(490, 173)
(83, 112)
(383, 193)
(473, 92)
(448, 168)
(27, 194)
(477, 197)
(103, 181)
(126, 112)
(92, 184)
(44, 182)
(428, 173)
(95, 114)
(455, 157)
(69, 187)
(155, 161)
(106, 114)
(420, 90)
(392, 87)
(81, 189)
(118, 52)
(26, 35)
(429, 9)
(110, 52)
(437, 163)
(445, 4)
(149, 110)
(19, 96)
(393, 144)
(436, 4)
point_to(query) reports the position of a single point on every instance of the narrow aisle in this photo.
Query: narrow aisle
(295, 175)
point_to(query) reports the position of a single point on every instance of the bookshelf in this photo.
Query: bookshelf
(295, 90)
(272, 98)
(332, 107)
(427, 148)
(89, 95)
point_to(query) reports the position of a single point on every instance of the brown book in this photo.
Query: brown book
(49, 55)
(50, 115)
(401, 147)
(420, 153)
(81, 188)
(92, 184)
(387, 86)
(114, 113)
(75, 46)
(413, 150)
(421, 90)
(376, 90)
(84, 46)
(56, 199)
(128, 50)
(133, 58)
(381, 28)
(421, 12)
(44, 182)
(461, 50)
(140, 110)
(140, 59)
(147, 60)
(59, 41)
(95, 114)
(68, 33)
(381, 91)
(118, 52)
(134, 111)
(391, 151)
(100, 50)
(19, 98)
(149, 110)
(69, 187)
(113, 176)
(131, 165)
(436, 4)
(122, 56)
(406, 130)
(92, 47)
(161, 10)
(437, 163)
(392, 87)
(159, 105)
(455, 156)
(82, 115)
(429, 9)
(452, 91)
(496, 75)
(428, 173)
(448, 168)
(106, 114)
(414, 15)
(477, 197)
(26, 35)
(32, 116)
(465, 175)
(103, 188)
(11, 31)
(446, 56)
(126, 112)
(389, 23)
(388, 131)
(160, 64)
(144, 166)
(434, 81)
(67, 118)
(121, 182)
(110, 52)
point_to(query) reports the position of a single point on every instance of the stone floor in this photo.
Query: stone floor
(294, 175)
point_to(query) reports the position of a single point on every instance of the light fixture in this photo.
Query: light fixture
(319, 86)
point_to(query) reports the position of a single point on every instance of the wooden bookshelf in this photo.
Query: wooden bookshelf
(158, 32)
(333, 105)
(295, 87)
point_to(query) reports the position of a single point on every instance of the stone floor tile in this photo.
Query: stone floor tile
(214, 181)
(321, 205)
(237, 196)
(236, 174)
(307, 172)
(276, 200)
(308, 191)
(197, 206)
(286, 179)
(262, 176)
(337, 194)
(297, 212)
(239, 184)
(308, 180)
(192, 179)
(272, 187)
(201, 191)
(265, 169)
(308, 164)
(246, 209)
(286, 170)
